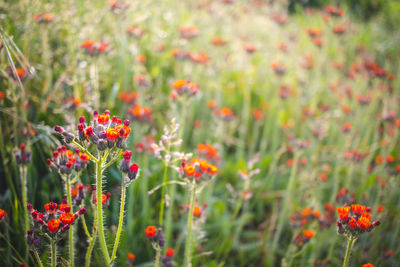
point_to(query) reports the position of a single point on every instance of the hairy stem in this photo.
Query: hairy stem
(92, 241)
(121, 220)
(158, 256)
(71, 229)
(188, 248)
(102, 239)
(350, 243)
(39, 261)
(53, 253)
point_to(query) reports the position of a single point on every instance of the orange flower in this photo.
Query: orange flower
(63, 206)
(67, 218)
(343, 212)
(212, 169)
(196, 211)
(169, 253)
(127, 130)
(53, 225)
(358, 209)
(112, 134)
(3, 214)
(367, 265)
(103, 199)
(364, 223)
(103, 118)
(353, 223)
(308, 233)
(150, 231)
(217, 41)
(50, 207)
(189, 170)
(306, 212)
(131, 256)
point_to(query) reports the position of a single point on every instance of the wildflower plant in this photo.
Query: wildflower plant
(52, 225)
(353, 221)
(105, 136)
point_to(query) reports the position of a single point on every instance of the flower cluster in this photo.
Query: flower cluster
(57, 218)
(184, 87)
(156, 236)
(304, 237)
(166, 260)
(44, 17)
(128, 97)
(65, 160)
(140, 113)
(225, 113)
(104, 198)
(132, 170)
(23, 156)
(188, 32)
(136, 32)
(95, 48)
(359, 222)
(145, 144)
(104, 133)
(198, 169)
(209, 152)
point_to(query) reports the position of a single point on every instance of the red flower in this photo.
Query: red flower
(150, 231)
(343, 212)
(53, 225)
(169, 253)
(3, 214)
(67, 218)
(353, 223)
(50, 207)
(358, 209)
(364, 223)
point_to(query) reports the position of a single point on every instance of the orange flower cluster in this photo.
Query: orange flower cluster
(128, 97)
(208, 151)
(140, 113)
(136, 32)
(52, 220)
(184, 87)
(44, 17)
(197, 168)
(188, 32)
(352, 225)
(65, 160)
(95, 48)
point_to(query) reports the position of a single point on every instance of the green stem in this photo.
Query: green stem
(161, 216)
(53, 253)
(121, 220)
(102, 239)
(25, 203)
(92, 241)
(158, 256)
(71, 229)
(85, 227)
(188, 252)
(350, 243)
(39, 261)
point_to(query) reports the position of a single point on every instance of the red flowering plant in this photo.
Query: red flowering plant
(157, 239)
(52, 225)
(353, 221)
(104, 137)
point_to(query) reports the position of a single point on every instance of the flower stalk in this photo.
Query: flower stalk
(188, 248)
(71, 229)
(121, 220)
(350, 243)
(99, 184)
